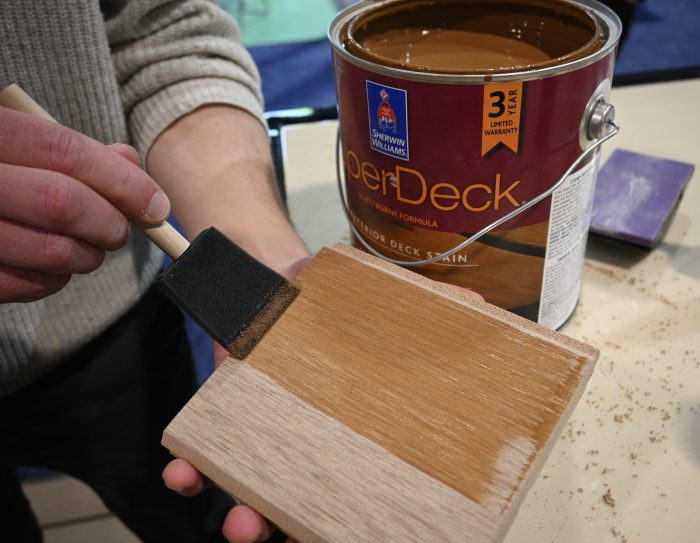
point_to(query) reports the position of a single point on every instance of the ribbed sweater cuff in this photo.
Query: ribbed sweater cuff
(152, 116)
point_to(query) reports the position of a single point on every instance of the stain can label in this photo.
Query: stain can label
(569, 216)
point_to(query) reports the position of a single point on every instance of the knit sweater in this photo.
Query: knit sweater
(118, 71)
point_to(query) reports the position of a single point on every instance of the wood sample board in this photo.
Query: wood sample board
(385, 407)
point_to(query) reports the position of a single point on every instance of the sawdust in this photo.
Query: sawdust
(608, 499)
(618, 535)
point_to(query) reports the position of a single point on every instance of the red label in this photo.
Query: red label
(462, 175)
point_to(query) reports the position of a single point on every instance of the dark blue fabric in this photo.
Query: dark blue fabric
(664, 34)
(296, 75)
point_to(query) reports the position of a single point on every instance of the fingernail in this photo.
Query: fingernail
(159, 207)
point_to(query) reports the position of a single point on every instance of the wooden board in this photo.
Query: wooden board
(383, 406)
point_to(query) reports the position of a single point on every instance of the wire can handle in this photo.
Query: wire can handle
(600, 126)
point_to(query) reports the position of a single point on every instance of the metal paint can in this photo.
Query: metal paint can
(469, 140)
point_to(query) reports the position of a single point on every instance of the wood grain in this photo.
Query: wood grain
(383, 406)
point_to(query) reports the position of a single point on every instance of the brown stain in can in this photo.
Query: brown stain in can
(453, 49)
(473, 36)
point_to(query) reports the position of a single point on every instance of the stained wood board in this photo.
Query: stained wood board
(383, 406)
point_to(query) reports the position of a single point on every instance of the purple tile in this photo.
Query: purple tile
(636, 195)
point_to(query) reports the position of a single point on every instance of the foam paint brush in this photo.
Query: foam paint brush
(230, 294)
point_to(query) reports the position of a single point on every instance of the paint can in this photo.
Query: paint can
(469, 139)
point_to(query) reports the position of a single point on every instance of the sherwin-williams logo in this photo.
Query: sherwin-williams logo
(388, 120)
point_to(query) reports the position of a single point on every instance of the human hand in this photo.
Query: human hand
(467, 292)
(65, 202)
(242, 524)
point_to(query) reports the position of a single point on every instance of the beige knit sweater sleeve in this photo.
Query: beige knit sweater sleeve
(171, 57)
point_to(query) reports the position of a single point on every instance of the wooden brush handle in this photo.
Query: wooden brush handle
(170, 241)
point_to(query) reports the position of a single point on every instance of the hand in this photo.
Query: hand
(65, 201)
(242, 524)
(467, 292)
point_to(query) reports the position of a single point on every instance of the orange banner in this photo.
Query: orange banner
(501, 116)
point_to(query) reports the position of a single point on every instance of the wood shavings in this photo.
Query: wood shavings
(608, 499)
(618, 535)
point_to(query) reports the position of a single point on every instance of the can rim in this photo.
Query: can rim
(605, 17)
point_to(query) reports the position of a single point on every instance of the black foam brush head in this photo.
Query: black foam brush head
(231, 295)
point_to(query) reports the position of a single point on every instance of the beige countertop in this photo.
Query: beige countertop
(635, 434)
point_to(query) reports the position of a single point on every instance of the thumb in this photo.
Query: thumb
(132, 155)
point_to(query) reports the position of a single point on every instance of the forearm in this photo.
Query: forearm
(216, 168)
